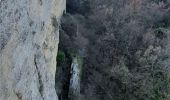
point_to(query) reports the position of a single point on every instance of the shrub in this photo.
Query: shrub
(60, 56)
(160, 33)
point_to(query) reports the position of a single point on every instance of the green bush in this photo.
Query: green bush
(60, 56)
(160, 33)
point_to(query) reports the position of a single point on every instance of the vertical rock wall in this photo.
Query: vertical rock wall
(29, 32)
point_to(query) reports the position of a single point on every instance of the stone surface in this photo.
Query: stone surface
(76, 69)
(29, 32)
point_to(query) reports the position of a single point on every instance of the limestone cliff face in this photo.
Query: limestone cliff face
(29, 32)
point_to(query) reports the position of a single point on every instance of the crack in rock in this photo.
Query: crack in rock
(41, 87)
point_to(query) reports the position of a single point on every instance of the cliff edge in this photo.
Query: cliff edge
(29, 36)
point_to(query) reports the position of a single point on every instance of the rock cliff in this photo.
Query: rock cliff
(29, 32)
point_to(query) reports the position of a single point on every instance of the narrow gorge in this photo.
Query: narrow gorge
(84, 50)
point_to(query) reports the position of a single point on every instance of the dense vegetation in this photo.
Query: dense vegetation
(124, 45)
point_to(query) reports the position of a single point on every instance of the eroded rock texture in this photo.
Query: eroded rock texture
(28, 48)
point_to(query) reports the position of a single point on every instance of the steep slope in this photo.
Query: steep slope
(124, 46)
(28, 48)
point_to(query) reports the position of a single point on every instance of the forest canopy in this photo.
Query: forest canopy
(124, 45)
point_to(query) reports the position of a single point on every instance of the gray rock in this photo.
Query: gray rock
(76, 69)
(29, 32)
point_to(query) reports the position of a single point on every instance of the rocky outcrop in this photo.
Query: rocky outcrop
(74, 88)
(29, 32)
